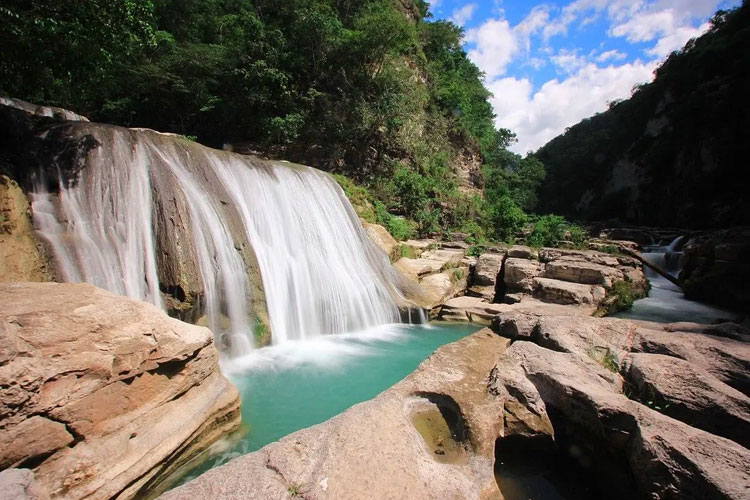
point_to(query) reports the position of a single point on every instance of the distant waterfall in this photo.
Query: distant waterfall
(320, 272)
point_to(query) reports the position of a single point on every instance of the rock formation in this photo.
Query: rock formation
(577, 387)
(100, 394)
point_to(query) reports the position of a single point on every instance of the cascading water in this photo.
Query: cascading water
(665, 302)
(320, 272)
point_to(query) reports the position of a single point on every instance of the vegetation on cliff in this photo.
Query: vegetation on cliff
(372, 89)
(680, 142)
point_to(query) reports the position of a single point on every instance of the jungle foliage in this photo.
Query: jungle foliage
(372, 89)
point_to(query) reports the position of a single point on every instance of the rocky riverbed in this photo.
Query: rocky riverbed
(644, 410)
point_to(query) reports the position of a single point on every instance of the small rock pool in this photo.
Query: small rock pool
(300, 384)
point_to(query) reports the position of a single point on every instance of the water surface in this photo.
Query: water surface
(299, 384)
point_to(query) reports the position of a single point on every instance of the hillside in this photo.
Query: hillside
(675, 153)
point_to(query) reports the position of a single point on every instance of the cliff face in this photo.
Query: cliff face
(675, 152)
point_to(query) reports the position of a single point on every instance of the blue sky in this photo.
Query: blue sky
(551, 64)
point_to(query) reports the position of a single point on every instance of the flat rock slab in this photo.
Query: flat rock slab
(90, 384)
(431, 261)
(691, 394)
(520, 274)
(582, 272)
(563, 292)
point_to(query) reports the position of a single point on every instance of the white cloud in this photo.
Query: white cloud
(615, 55)
(585, 87)
(464, 14)
(676, 40)
(669, 22)
(496, 46)
(538, 117)
(569, 61)
(646, 26)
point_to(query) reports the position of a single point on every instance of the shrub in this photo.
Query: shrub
(359, 197)
(548, 231)
(506, 218)
(620, 297)
(476, 250)
(399, 227)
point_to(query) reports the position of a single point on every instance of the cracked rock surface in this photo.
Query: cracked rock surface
(90, 384)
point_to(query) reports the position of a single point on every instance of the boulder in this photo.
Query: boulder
(442, 286)
(666, 458)
(487, 269)
(691, 394)
(522, 252)
(520, 274)
(383, 240)
(582, 272)
(90, 383)
(563, 292)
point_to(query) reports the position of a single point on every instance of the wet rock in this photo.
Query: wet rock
(716, 268)
(90, 383)
(22, 257)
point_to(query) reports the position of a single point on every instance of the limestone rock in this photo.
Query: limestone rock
(604, 259)
(383, 240)
(19, 484)
(563, 292)
(487, 269)
(34, 437)
(21, 254)
(520, 274)
(431, 261)
(50, 112)
(441, 286)
(582, 272)
(103, 376)
(522, 252)
(667, 458)
(691, 394)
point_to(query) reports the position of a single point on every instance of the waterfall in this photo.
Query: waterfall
(145, 205)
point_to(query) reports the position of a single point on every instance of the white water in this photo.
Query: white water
(666, 302)
(321, 273)
(107, 238)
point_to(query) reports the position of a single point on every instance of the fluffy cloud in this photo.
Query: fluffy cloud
(586, 85)
(496, 45)
(464, 14)
(676, 40)
(537, 117)
(615, 55)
